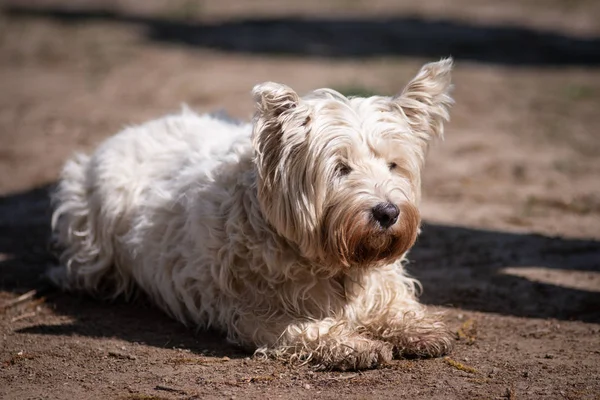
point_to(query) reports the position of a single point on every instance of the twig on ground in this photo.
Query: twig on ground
(460, 366)
(24, 316)
(343, 377)
(169, 389)
(21, 299)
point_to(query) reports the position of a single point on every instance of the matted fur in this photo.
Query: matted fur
(265, 230)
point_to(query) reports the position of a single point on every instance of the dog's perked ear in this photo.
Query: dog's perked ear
(273, 99)
(281, 125)
(280, 118)
(425, 101)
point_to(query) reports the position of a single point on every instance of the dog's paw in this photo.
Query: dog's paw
(433, 341)
(357, 354)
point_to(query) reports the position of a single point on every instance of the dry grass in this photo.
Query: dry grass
(468, 331)
(460, 366)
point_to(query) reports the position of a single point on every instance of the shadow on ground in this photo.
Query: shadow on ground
(458, 267)
(354, 37)
(465, 268)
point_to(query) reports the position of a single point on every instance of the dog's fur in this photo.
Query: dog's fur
(266, 230)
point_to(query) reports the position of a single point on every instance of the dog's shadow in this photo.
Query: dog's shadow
(462, 267)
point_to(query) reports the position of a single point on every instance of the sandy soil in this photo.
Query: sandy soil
(511, 241)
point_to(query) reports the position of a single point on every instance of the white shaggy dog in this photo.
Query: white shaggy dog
(288, 233)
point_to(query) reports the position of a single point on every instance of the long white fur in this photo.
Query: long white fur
(264, 230)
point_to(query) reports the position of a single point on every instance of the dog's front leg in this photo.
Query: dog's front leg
(413, 331)
(331, 344)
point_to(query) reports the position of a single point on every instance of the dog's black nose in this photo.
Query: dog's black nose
(386, 214)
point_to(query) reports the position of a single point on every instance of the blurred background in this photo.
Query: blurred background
(511, 197)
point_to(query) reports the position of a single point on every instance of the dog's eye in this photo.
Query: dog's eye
(342, 170)
(392, 166)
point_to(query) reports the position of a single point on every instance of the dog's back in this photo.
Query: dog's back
(107, 204)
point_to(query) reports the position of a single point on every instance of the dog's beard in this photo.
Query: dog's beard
(352, 238)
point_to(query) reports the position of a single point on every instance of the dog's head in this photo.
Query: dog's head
(340, 177)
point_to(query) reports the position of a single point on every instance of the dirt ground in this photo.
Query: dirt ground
(511, 240)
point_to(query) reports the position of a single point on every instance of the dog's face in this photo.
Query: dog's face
(340, 177)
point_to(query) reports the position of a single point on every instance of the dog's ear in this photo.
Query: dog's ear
(273, 99)
(279, 136)
(280, 114)
(281, 117)
(425, 101)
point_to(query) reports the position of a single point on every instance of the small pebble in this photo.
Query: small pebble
(307, 386)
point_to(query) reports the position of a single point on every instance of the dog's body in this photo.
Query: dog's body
(288, 233)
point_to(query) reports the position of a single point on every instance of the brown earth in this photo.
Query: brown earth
(511, 243)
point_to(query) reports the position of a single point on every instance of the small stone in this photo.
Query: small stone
(525, 374)
(225, 358)
(550, 356)
(307, 386)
